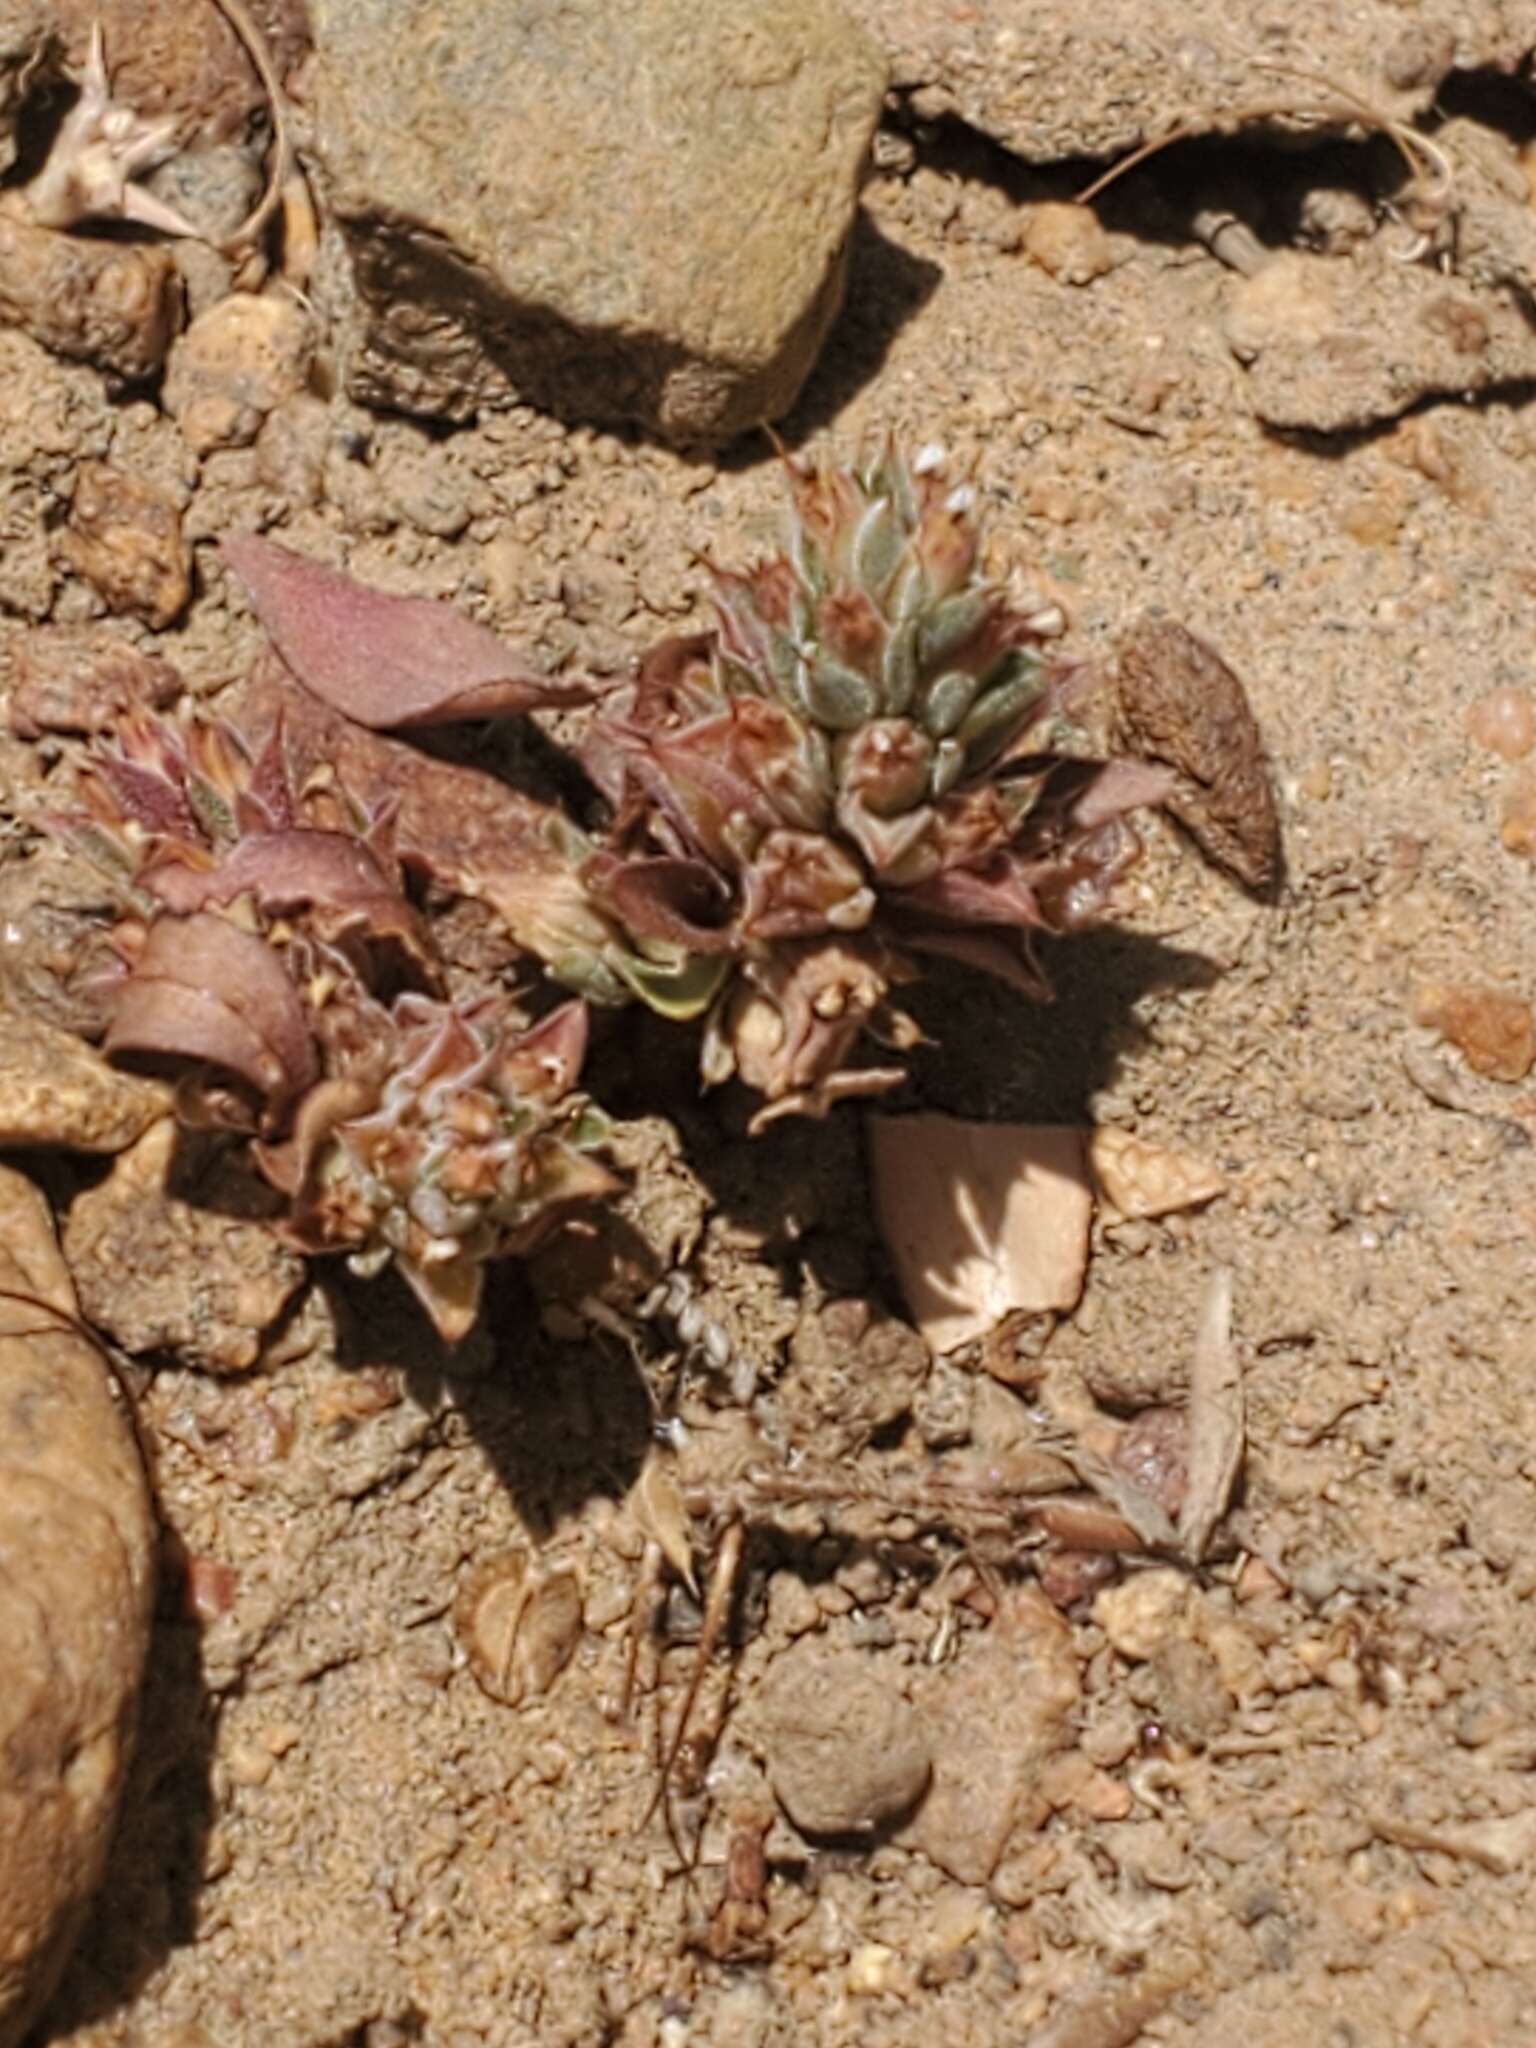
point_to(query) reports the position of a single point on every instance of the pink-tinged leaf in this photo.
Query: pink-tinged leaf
(982, 1221)
(330, 1102)
(1121, 786)
(1001, 894)
(682, 902)
(336, 878)
(385, 661)
(204, 991)
(267, 802)
(282, 871)
(1006, 957)
(545, 1062)
(470, 833)
(147, 797)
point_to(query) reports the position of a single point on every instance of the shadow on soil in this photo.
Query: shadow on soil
(146, 1903)
(562, 1422)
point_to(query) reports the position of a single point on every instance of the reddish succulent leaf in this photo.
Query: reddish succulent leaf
(206, 992)
(338, 880)
(682, 901)
(281, 870)
(545, 1062)
(468, 831)
(1121, 786)
(385, 661)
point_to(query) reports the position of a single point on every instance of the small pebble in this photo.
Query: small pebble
(236, 363)
(1143, 1179)
(1110, 1741)
(124, 537)
(1190, 1701)
(1493, 1031)
(248, 1765)
(1503, 720)
(871, 1970)
(1150, 1608)
(1068, 242)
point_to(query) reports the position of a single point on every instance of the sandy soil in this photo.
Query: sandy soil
(1303, 1812)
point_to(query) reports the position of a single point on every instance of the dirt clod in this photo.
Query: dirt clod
(54, 1090)
(844, 1751)
(79, 679)
(995, 1715)
(124, 537)
(161, 1272)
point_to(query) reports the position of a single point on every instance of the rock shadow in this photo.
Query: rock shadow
(146, 1904)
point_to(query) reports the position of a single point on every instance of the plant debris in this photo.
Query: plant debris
(982, 1221)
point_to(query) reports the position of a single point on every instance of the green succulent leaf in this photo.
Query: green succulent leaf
(877, 547)
(996, 716)
(949, 699)
(950, 624)
(837, 697)
(680, 991)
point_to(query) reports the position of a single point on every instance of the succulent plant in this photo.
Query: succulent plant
(357, 662)
(232, 890)
(869, 760)
(265, 936)
(451, 1136)
(862, 763)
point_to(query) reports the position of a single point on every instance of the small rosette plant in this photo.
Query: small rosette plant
(231, 887)
(274, 968)
(865, 762)
(452, 1137)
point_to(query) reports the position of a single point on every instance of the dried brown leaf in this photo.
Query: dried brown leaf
(656, 1502)
(519, 1625)
(1181, 704)
(981, 1221)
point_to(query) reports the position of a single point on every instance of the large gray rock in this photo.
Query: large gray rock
(618, 213)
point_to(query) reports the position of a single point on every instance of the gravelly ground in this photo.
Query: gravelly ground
(335, 1835)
